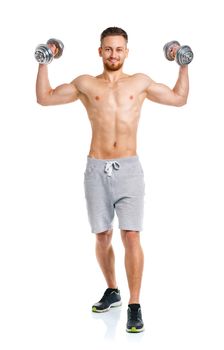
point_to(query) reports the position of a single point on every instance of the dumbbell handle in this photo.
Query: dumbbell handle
(174, 50)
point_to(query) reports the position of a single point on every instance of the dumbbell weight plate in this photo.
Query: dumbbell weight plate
(168, 49)
(59, 45)
(184, 55)
(43, 54)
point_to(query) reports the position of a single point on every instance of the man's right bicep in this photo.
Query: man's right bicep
(62, 94)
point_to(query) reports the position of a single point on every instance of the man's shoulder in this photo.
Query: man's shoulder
(142, 80)
(84, 77)
(82, 81)
(140, 76)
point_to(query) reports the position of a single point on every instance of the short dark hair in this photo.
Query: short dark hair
(113, 31)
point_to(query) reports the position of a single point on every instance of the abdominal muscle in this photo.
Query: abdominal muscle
(113, 141)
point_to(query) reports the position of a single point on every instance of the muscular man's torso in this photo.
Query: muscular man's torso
(114, 110)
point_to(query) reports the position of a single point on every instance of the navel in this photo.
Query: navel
(115, 144)
(131, 97)
(97, 98)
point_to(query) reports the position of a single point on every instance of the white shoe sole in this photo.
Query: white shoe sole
(116, 304)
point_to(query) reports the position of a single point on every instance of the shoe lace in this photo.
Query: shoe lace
(134, 315)
(107, 292)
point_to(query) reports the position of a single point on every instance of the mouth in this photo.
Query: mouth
(113, 60)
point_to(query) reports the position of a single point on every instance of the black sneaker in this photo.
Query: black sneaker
(135, 323)
(111, 298)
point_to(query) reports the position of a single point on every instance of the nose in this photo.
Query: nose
(113, 54)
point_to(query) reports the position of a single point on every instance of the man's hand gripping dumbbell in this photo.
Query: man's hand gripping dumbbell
(45, 53)
(181, 54)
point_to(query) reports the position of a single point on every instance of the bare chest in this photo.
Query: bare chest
(113, 96)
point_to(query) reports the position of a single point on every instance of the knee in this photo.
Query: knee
(130, 238)
(103, 239)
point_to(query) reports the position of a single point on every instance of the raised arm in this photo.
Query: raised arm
(47, 96)
(177, 96)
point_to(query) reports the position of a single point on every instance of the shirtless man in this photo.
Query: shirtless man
(114, 178)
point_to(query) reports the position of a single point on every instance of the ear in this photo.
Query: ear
(100, 51)
(127, 52)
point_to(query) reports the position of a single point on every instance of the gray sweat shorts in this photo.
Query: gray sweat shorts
(114, 185)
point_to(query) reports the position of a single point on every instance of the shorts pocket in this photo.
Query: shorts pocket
(89, 172)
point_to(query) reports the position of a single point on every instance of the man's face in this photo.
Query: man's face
(113, 52)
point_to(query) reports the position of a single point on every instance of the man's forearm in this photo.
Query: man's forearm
(182, 85)
(43, 87)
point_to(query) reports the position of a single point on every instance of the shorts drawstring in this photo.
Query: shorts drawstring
(109, 167)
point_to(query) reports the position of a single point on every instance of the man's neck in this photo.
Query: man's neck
(113, 76)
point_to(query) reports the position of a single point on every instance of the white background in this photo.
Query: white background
(48, 272)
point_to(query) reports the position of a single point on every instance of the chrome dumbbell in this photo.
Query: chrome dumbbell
(181, 54)
(44, 53)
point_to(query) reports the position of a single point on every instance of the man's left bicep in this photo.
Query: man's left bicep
(161, 93)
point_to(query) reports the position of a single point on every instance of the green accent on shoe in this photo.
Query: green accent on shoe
(135, 330)
(94, 309)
